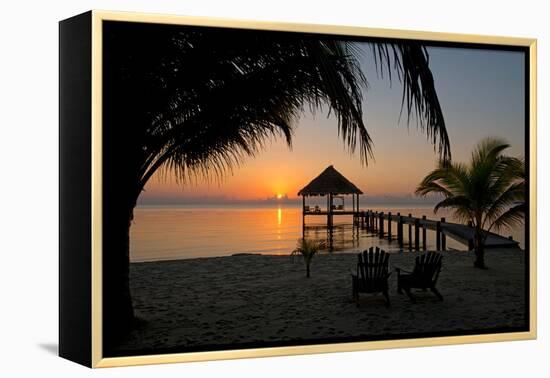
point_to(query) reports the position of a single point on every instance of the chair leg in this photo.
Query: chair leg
(437, 293)
(355, 293)
(409, 294)
(387, 296)
(399, 289)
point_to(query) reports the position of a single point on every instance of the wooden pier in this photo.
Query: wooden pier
(333, 185)
(378, 222)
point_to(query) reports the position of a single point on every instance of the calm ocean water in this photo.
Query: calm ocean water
(183, 232)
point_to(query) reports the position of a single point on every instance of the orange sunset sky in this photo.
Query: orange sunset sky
(481, 92)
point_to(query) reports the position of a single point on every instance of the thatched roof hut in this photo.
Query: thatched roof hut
(330, 181)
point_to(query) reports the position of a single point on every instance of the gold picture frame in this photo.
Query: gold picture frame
(97, 17)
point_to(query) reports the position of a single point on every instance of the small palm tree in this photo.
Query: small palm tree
(489, 192)
(308, 249)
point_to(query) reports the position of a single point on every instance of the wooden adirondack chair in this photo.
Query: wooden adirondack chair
(424, 275)
(372, 274)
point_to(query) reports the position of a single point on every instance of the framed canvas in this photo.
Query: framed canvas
(234, 189)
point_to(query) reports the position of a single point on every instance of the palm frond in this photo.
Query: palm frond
(260, 101)
(460, 205)
(432, 187)
(509, 198)
(419, 97)
(453, 202)
(308, 248)
(511, 218)
(487, 150)
(449, 179)
(201, 100)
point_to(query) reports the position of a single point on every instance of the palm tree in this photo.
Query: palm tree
(489, 192)
(307, 248)
(196, 102)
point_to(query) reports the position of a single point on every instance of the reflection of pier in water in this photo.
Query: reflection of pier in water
(338, 237)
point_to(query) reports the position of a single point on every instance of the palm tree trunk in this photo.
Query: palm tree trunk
(118, 313)
(479, 248)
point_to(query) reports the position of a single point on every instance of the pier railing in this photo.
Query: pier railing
(382, 223)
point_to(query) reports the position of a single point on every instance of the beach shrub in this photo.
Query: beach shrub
(307, 248)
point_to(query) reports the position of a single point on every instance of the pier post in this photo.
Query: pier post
(416, 234)
(443, 238)
(357, 204)
(369, 220)
(356, 215)
(424, 247)
(328, 211)
(389, 226)
(303, 215)
(438, 236)
(371, 217)
(381, 224)
(410, 231)
(400, 230)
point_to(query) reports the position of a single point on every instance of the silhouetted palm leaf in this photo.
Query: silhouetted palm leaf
(411, 62)
(512, 217)
(201, 100)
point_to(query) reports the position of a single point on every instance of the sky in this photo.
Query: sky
(481, 93)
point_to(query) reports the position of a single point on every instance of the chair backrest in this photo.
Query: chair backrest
(427, 267)
(373, 265)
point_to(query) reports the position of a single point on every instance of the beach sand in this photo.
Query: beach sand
(248, 299)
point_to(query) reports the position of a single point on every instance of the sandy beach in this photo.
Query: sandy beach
(249, 299)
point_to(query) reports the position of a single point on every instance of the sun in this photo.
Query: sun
(279, 196)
